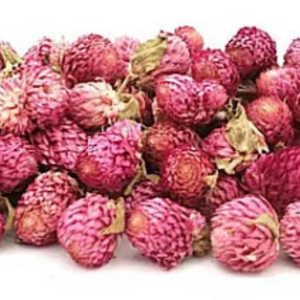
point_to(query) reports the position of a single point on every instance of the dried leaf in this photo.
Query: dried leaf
(129, 108)
(242, 135)
(268, 221)
(148, 56)
(118, 225)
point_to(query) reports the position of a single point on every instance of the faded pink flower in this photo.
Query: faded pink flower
(217, 65)
(112, 158)
(89, 229)
(60, 146)
(290, 231)
(275, 177)
(185, 175)
(192, 38)
(41, 206)
(187, 102)
(226, 188)
(273, 118)
(89, 58)
(18, 163)
(125, 47)
(166, 135)
(245, 234)
(14, 117)
(167, 233)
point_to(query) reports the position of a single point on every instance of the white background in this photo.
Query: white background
(42, 273)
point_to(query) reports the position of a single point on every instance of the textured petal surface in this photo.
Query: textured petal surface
(273, 118)
(245, 234)
(253, 50)
(60, 146)
(42, 205)
(79, 230)
(164, 136)
(290, 231)
(18, 163)
(112, 158)
(216, 65)
(276, 177)
(184, 175)
(164, 231)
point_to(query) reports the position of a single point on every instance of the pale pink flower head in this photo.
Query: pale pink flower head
(275, 177)
(245, 234)
(166, 232)
(46, 96)
(112, 158)
(89, 58)
(192, 38)
(290, 231)
(292, 55)
(59, 147)
(125, 47)
(93, 105)
(89, 228)
(41, 206)
(14, 117)
(18, 163)
(273, 118)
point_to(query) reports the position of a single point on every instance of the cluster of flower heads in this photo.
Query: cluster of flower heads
(182, 148)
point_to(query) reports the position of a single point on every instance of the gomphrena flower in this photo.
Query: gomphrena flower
(59, 147)
(93, 104)
(186, 175)
(166, 232)
(46, 96)
(273, 118)
(236, 145)
(163, 136)
(136, 104)
(292, 55)
(89, 228)
(89, 58)
(252, 50)
(188, 102)
(146, 189)
(275, 177)
(281, 82)
(192, 38)
(125, 47)
(225, 189)
(245, 234)
(112, 158)
(46, 52)
(14, 117)
(18, 163)
(167, 54)
(42, 205)
(290, 231)
(216, 65)
(284, 83)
